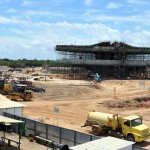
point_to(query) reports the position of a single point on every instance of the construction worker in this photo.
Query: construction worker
(97, 77)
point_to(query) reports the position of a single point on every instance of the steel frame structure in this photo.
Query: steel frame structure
(110, 60)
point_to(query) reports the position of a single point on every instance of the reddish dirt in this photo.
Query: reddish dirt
(76, 98)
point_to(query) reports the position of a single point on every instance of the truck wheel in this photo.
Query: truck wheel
(27, 97)
(95, 130)
(130, 138)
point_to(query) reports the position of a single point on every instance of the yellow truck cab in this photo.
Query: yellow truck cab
(134, 129)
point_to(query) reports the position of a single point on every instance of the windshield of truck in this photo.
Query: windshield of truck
(136, 122)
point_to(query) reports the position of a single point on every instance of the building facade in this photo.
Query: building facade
(110, 60)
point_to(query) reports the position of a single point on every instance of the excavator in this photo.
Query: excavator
(27, 95)
(7, 89)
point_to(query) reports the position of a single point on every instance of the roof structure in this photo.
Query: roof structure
(7, 103)
(103, 47)
(107, 143)
(131, 117)
(6, 120)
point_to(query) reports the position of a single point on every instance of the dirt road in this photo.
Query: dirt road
(76, 98)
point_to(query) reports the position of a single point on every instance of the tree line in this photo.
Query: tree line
(22, 63)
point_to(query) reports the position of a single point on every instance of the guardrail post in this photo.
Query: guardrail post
(75, 138)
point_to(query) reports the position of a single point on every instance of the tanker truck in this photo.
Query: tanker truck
(130, 127)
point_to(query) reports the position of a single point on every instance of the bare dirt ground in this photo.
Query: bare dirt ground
(76, 98)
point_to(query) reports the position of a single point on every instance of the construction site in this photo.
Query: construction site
(62, 99)
(76, 98)
(111, 60)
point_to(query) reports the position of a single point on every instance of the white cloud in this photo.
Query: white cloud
(39, 42)
(138, 2)
(138, 28)
(37, 13)
(43, 13)
(4, 20)
(88, 2)
(26, 3)
(14, 20)
(113, 5)
(35, 32)
(140, 38)
(11, 10)
(16, 31)
(19, 48)
(99, 16)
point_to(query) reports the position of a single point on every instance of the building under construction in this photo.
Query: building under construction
(110, 60)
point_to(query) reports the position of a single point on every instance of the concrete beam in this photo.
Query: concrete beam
(104, 62)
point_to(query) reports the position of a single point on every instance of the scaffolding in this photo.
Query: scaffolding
(110, 60)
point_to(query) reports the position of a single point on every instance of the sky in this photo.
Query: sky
(30, 29)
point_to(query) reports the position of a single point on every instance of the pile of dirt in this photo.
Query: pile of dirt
(128, 103)
(96, 85)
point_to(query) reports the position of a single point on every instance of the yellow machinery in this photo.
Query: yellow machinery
(31, 137)
(130, 127)
(27, 95)
(6, 89)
